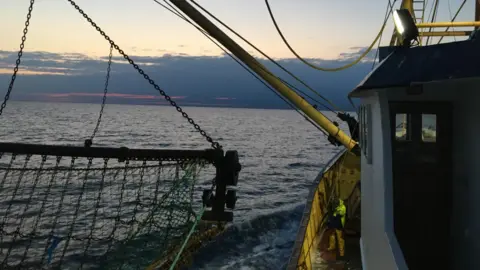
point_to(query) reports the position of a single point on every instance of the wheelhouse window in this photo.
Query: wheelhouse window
(405, 131)
(429, 127)
(403, 128)
(365, 131)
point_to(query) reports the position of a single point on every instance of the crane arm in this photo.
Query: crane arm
(266, 75)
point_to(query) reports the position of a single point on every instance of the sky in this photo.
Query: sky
(332, 32)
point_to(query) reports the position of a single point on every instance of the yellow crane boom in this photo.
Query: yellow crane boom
(265, 74)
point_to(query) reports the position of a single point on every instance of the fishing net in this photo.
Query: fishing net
(62, 211)
(66, 207)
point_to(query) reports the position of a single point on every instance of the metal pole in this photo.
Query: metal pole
(263, 72)
(448, 24)
(445, 33)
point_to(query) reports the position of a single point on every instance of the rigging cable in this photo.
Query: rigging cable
(264, 54)
(451, 18)
(434, 17)
(175, 12)
(317, 67)
(388, 12)
(341, 115)
(423, 30)
(303, 93)
(454, 18)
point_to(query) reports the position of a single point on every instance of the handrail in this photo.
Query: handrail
(448, 24)
(123, 153)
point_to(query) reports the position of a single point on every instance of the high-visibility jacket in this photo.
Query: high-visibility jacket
(341, 211)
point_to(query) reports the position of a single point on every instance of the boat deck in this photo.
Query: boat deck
(351, 261)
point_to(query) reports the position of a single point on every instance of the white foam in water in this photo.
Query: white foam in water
(264, 242)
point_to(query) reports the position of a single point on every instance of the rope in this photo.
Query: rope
(268, 57)
(199, 216)
(451, 18)
(322, 68)
(152, 266)
(434, 16)
(388, 12)
(178, 14)
(454, 17)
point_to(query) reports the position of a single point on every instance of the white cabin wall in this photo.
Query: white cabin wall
(380, 249)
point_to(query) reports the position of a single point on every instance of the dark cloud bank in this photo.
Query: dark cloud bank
(211, 81)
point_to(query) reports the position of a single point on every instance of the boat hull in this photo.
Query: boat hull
(340, 178)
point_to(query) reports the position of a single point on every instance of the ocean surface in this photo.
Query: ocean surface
(280, 152)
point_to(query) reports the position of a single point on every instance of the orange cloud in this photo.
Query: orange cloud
(224, 98)
(130, 96)
(197, 104)
(30, 72)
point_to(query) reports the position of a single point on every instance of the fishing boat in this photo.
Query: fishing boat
(395, 172)
(414, 170)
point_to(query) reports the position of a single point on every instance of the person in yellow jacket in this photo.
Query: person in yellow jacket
(337, 223)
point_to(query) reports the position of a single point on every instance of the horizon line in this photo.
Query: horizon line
(192, 104)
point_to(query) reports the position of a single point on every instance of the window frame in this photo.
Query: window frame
(365, 120)
(422, 126)
(408, 127)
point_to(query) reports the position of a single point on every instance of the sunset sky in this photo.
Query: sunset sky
(61, 42)
(315, 28)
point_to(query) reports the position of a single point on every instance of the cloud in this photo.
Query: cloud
(224, 98)
(356, 52)
(128, 96)
(216, 80)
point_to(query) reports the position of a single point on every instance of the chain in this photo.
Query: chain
(20, 53)
(89, 142)
(215, 145)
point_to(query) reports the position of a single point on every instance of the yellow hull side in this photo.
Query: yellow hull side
(340, 178)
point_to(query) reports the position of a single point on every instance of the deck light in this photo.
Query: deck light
(405, 26)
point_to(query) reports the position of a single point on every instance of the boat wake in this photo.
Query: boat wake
(264, 242)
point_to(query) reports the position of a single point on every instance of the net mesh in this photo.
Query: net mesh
(61, 212)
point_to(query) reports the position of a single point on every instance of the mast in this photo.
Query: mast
(420, 22)
(266, 75)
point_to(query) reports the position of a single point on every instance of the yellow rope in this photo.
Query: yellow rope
(322, 68)
(269, 58)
